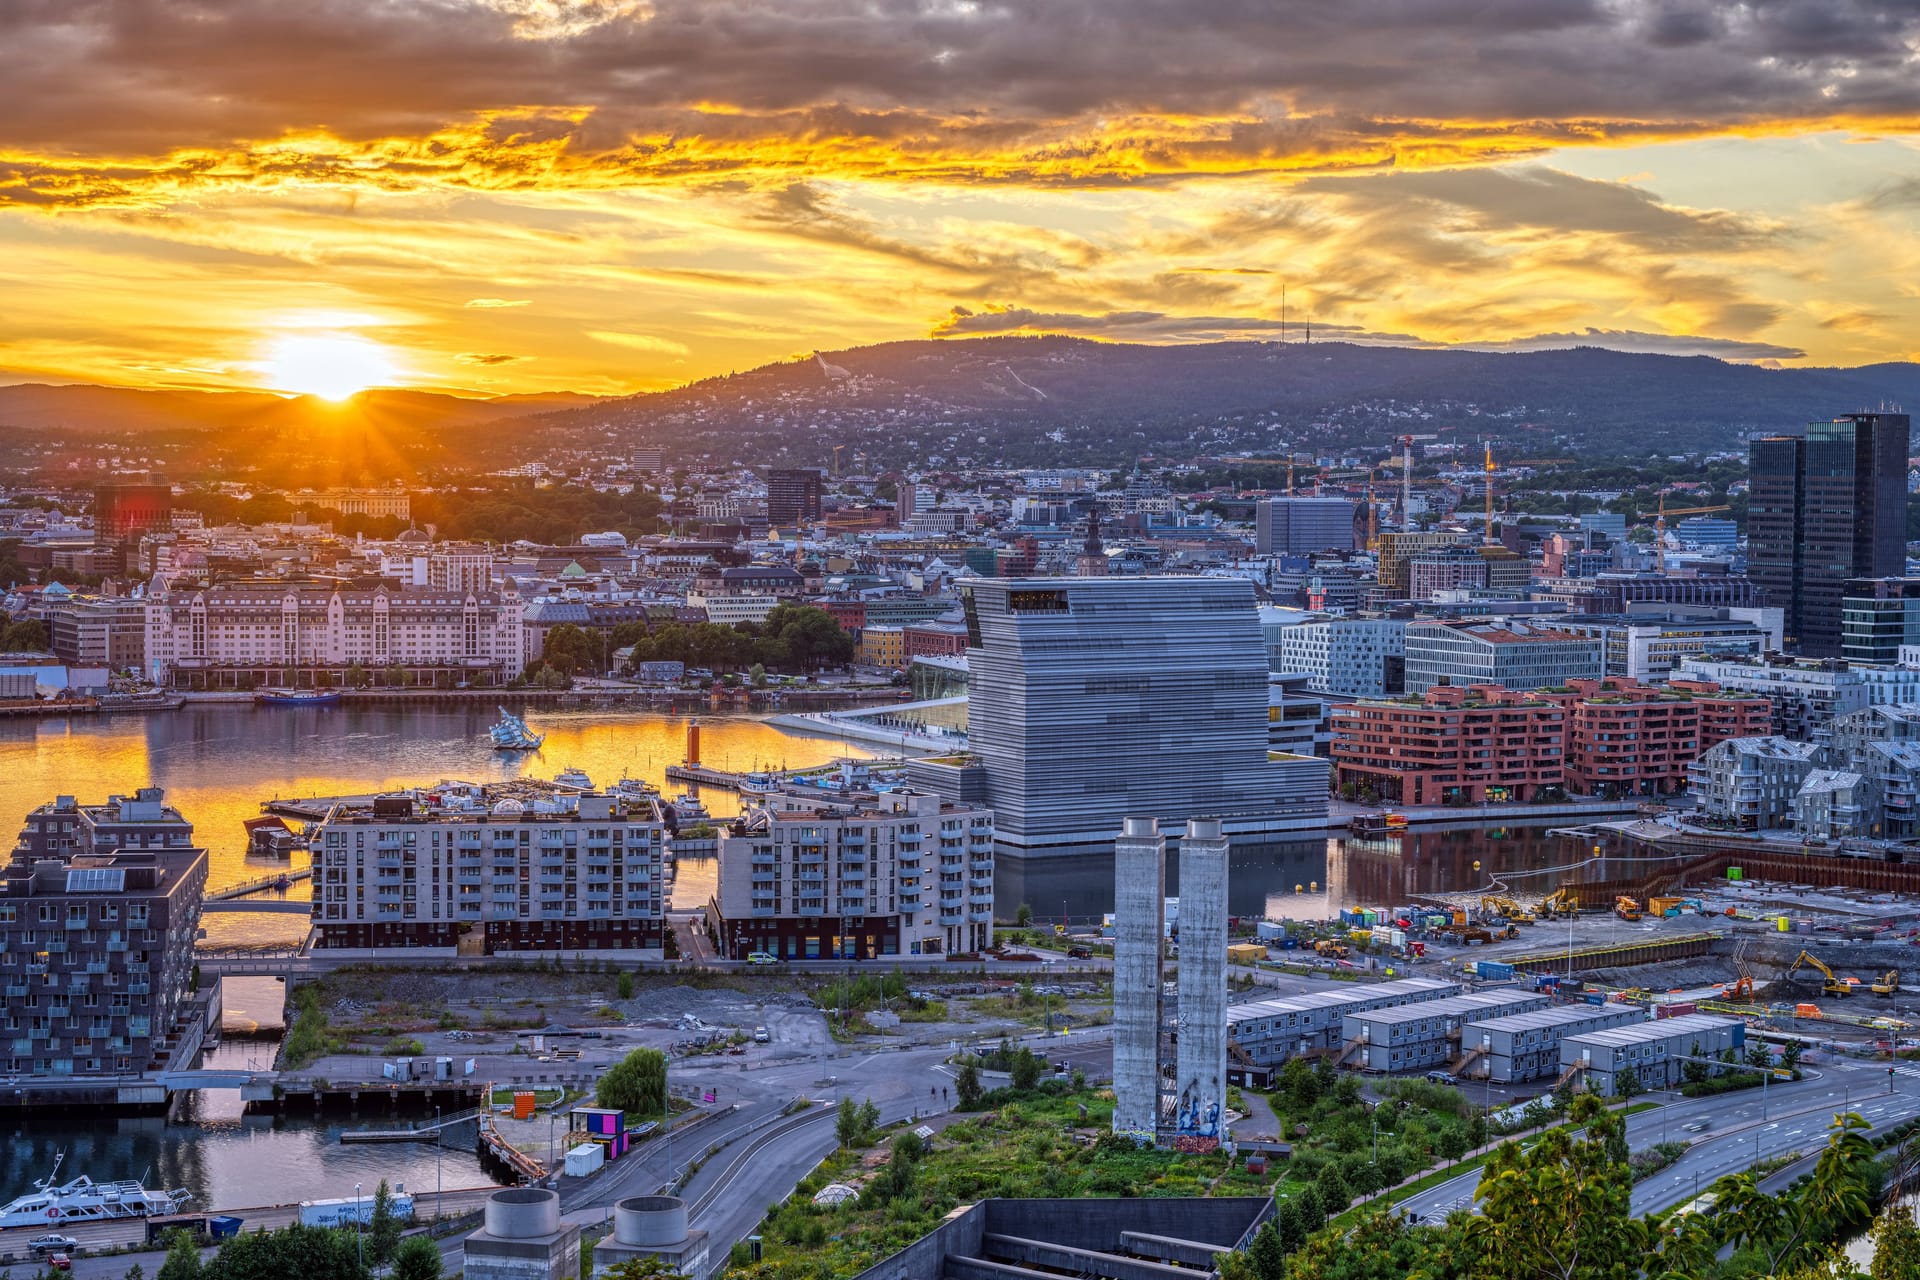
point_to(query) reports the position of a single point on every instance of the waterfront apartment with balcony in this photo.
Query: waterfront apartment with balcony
(96, 961)
(912, 876)
(574, 873)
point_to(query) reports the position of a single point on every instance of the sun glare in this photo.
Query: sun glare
(332, 366)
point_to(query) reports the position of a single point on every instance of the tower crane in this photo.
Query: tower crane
(1406, 479)
(1660, 525)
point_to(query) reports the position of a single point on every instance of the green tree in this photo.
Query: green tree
(846, 1123)
(383, 1228)
(1334, 1193)
(135, 1272)
(1293, 1222)
(869, 1121)
(1896, 1244)
(1298, 1086)
(966, 1085)
(637, 1084)
(1023, 915)
(1626, 1083)
(1794, 1230)
(652, 1267)
(357, 676)
(1560, 1209)
(1381, 1246)
(623, 985)
(183, 1257)
(1790, 1054)
(1266, 1255)
(395, 676)
(310, 1253)
(1451, 1144)
(418, 1258)
(571, 651)
(1025, 1069)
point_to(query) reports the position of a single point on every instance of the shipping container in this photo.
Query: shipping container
(1497, 970)
(1678, 1009)
(1245, 953)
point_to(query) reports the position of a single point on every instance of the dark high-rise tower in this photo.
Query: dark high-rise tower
(1825, 507)
(793, 496)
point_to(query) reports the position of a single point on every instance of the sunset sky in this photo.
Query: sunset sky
(617, 195)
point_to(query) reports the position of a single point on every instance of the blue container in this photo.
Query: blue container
(223, 1227)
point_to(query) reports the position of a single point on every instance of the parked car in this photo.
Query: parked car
(1441, 1077)
(53, 1242)
(760, 1035)
(762, 957)
(59, 1262)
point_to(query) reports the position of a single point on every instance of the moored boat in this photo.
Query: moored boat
(52, 1204)
(296, 697)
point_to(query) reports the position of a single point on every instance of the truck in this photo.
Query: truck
(204, 1227)
(346, 1211)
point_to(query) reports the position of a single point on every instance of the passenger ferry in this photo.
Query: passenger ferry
(84, 1200)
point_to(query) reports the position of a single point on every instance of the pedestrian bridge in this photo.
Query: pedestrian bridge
(277, 906)
(212, 1078)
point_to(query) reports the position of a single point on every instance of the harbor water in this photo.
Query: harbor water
(219, 761)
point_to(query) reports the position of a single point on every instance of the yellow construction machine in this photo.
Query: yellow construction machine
(1888, 985)
(1832, 985)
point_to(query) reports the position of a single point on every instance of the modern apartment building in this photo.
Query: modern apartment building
(1513, 654)
(1751, 782)
(232, 634)
(911, 877)
(65, 828)
(1807, 697)
(1094, 699)
(96, 958)
(1457, 745)
(1445, 569)
(1299, 526)
(1625, 738)
(1826, 506)
(1358, 657)
(486, 875)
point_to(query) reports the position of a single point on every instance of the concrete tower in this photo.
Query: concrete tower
(1200, 1069)
(1139, 915)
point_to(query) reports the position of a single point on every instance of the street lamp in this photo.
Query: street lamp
(359, 1228)
(439, 1193)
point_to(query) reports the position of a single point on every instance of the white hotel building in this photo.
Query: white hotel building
(234, 635)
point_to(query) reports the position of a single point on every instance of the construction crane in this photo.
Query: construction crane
(1489, 471)
(1833, 986)
(836, 460)
(1406, 480)
(1660, 525)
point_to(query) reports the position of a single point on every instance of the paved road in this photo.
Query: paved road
(1796, 1118)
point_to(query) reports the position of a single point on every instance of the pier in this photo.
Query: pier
(246, 887)
(421, 1131)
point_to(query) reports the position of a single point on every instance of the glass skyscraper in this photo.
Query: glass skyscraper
(1825, 507)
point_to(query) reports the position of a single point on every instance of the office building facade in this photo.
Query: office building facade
(1094, 699)
(910, 877)
(793, 496)
(1298, 526)
(1357, 657)
(1825, 507)
(573, 874)
(1877, 617)
(1515, 655)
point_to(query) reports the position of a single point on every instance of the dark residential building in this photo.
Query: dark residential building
(96, 957)
(1877, 617)
(65, 828)
(1826, 507)
(793, 496)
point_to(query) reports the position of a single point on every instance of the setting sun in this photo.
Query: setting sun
(333, 367)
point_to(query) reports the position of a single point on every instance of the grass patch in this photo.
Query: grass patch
(1042, 1145)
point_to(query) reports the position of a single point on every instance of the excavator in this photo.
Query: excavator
(1888, 985)
(1833, 986)
(1739, 992)
(1561, 902)
(1504, 909)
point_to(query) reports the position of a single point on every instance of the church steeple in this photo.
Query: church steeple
(1093, 553)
